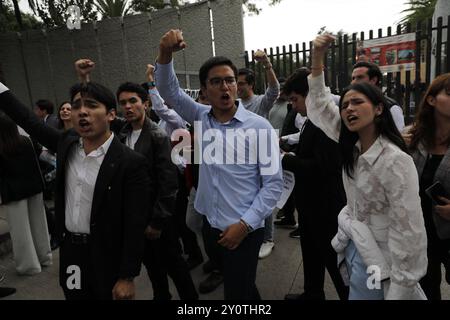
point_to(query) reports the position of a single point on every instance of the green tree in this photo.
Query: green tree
(419, 10)
(9, 22)
(151, 5)
(54, 12)
(112, 8)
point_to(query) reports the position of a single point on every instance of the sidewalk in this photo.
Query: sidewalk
(278, 274)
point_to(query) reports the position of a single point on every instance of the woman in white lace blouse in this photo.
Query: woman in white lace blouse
(381, 235)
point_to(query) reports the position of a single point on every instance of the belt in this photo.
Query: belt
(78, 238)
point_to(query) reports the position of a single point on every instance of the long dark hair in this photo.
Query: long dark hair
(424, 129)
(384, 124)
(11, 142)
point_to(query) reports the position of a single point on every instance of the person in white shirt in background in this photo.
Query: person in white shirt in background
(381, 229)
(370, 73)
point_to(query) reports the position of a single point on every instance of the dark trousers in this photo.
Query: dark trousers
(163, 257)
(438, 253)
(318, 254)
(238, 266)
(289, 208)
(188, 237)
(79, 255)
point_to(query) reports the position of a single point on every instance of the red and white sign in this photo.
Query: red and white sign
(391, 54)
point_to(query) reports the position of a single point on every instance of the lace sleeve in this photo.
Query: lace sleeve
(321, 108)
(407, 240)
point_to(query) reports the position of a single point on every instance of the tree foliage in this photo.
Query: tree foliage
(151, 5)
(419, 10)
(54, 12)
(8, 19)
(112, 8)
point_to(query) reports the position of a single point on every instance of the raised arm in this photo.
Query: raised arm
(25, 118)
(161, 110)
(320, 105)
(273, 89)
(167, 82)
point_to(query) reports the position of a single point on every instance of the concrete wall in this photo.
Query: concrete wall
(39, 65)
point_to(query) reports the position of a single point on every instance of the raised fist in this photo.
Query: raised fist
(172, 41)
(149, 74)
(83, 67)
(321, 43)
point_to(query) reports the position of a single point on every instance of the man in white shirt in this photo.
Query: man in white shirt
(369, 72)
(99, 208)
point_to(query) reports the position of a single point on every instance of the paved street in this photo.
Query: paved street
(278, 274)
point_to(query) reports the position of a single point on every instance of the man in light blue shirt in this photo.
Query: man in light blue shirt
(240, 178)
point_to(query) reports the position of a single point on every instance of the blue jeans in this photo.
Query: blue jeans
(358, 277)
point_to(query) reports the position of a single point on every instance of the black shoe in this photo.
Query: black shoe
(304, 296)
(286, 223)
(5, 291)
(211, 283)
(54, 244)
(295, 233)
(194, 261)
(209, 266)
(280, 214)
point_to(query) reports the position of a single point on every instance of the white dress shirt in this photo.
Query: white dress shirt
(132, 138)
(81, 176)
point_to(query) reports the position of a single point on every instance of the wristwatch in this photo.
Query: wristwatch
(249, 228)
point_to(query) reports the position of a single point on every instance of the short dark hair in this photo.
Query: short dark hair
(96, 91)
(372, 70)
(132, 87)
(46, 105)
(214, 62)
(297, 82)
(249, 76)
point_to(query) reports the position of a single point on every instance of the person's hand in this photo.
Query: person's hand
(232, 237)
(407, 137)
(261, 56)
(320, 47)
(171, 42)
(152, 233)
(83, 67)
(321, 44)
(444, 211)
(150, 73)
(123, 290)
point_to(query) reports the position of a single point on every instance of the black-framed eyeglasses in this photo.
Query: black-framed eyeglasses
(217, 82)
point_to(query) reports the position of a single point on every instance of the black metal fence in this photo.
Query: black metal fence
(405, 87)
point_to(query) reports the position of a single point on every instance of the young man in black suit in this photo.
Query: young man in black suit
(99, 205)
(319, 196)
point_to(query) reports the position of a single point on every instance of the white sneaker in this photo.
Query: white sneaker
(266, 249)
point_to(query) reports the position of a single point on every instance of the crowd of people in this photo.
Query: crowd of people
(372, 196)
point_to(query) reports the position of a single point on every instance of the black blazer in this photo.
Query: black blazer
(119, 204)
(20, 176)
(317, 167)
(154, 144)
